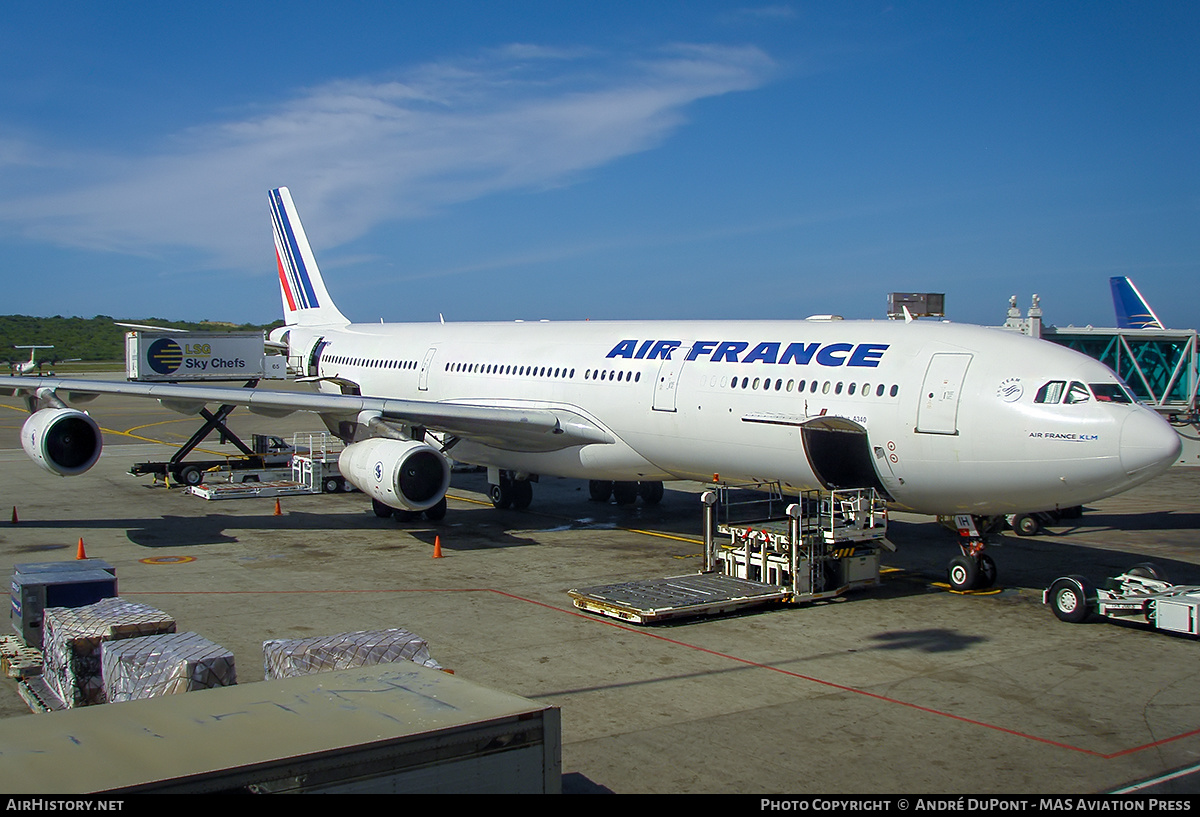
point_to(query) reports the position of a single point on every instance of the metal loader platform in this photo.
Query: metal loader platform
(697, 594)
(825, 545)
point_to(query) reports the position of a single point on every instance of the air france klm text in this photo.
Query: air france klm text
(867, 355)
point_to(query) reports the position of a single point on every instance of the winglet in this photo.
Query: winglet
(1132, 310)
(305, 299)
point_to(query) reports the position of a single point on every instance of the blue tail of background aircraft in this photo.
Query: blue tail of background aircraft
(1132, 310)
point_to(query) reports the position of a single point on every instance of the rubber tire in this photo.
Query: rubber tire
(1026, 524)
(190, 475)
(330, 485)
(600, 490)
(1148, 570)
(625, 493)
(501, 495)
(381, 510)
(522, 494)
(651, 492)
(963, 573)
(1070, 599)
(437, 512)
(987, 572)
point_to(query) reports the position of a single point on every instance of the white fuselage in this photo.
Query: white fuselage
(951, 413)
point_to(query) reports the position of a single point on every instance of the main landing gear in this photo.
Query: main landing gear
(625, 493)
(509, 491)
(972, 569)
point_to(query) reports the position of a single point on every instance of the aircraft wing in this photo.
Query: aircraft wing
(512, 428)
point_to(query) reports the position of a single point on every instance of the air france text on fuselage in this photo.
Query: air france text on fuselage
(739, 351)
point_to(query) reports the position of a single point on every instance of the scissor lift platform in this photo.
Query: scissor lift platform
(826, 544)
(653, 600)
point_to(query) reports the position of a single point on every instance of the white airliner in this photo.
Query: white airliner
(941, 418)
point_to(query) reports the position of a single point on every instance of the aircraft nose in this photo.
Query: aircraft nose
(1148, 444)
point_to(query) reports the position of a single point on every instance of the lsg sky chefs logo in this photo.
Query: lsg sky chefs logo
(165, 356)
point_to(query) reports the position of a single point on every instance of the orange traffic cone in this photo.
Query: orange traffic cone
(79, 554)
(278, 509)
(14, 519)
(437, 547)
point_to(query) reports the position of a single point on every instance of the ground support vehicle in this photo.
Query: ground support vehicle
(826, 544)
(1140, 595)
(267, 454)
(312, 468)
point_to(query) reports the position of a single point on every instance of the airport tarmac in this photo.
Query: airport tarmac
(906, 688)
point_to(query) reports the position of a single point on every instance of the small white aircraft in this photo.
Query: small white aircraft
(31, 365)
(940, 418)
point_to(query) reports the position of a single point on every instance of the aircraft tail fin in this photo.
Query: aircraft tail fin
(306, 302)
(1132, 310)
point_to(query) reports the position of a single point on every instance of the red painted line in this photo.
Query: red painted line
(745, 661)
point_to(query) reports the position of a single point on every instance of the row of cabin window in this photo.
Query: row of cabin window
(508, 369)
(601, 374)
(371, 363)
(766, 384)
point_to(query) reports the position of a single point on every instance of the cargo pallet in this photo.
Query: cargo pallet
(821, 547)
(18, 660)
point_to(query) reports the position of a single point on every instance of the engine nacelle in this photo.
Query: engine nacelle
(402, 474)
(64, 441)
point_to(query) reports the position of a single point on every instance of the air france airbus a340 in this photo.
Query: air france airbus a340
(941, 418)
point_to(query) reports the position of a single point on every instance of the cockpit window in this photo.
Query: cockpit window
(1077, 393)
(1110, 393)
(1051, 392)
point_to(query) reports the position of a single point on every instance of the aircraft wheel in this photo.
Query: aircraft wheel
(437, 512)
(600, 489)
(625, 493)
(1070, 598)
(652, 492)
(501, 495)
(381, 510)
(987, 571)
(522, 494)
(1026, 524)
(963, 573)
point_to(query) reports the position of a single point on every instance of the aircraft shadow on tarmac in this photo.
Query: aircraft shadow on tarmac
(211, 529)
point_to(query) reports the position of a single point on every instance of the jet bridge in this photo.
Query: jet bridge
(826, 544)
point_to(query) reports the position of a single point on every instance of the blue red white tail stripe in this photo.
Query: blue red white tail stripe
(293, 272)
(306, 301)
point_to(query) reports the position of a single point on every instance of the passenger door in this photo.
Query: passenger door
(940, 394)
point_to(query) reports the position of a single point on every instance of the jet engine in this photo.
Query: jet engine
(64, 441)
(402, 474)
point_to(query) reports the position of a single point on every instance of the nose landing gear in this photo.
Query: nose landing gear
(972, 569)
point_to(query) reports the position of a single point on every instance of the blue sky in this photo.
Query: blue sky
(570, 160)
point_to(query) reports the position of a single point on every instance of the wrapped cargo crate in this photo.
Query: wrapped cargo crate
(150, 666)
(287, 658)
(71, 644)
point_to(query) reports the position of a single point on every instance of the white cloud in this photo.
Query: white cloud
(358, 152)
